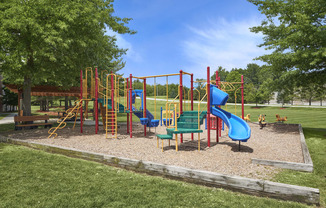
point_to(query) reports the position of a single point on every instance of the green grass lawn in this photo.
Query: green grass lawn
(2, 115)
(31, 178)
(34, 178)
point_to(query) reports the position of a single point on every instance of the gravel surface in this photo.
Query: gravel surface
(273, 142)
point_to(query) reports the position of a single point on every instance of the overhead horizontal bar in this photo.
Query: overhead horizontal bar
(164, 75)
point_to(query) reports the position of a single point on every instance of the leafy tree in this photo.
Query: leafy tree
(312, 87)
(320, 90)
(295, 31)
(252, 74)
(285, 86)
(9, 98)
(222, 73)
(200, 88)
(46, 41)
(267, 90)
(234, 76)
(252, 94)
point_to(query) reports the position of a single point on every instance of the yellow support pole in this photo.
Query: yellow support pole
(176, 142)
(106, 106)
(198, 141)
(154, 97)
(175, 111)
(167, 89)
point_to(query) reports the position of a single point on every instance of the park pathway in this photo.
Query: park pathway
(8, 119)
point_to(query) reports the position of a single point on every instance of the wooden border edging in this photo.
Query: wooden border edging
(307, 166)
(283, 164)
(305, 151)
(235, 183)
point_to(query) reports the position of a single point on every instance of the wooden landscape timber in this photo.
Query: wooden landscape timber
(235, 183)
(307, 166)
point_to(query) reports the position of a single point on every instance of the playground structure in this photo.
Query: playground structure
(261, 121)
(247, 118)
(281, 119)
(113, 94)
(215, 97)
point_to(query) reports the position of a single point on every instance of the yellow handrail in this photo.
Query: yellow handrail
(199, 112)
(71, 112)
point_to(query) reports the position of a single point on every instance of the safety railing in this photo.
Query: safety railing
(199, 107)
(70, 113)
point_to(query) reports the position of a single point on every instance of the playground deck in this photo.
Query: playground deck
(274, 142)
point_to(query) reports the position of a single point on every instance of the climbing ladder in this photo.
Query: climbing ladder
(70, 113)
(109, 120)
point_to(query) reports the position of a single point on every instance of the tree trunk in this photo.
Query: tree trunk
(47, 104)
(321, 102)
(310, 101)
(66, 103)
(27, 88)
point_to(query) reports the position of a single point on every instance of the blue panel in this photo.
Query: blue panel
(218, 97)
(239, 130)
(144, 121)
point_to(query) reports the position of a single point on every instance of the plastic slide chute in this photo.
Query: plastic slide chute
(239, 130)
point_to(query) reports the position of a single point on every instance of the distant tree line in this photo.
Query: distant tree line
(260, 85)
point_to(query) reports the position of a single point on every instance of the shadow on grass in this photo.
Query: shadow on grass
(316, 132)
(257, 107)
(7, 127)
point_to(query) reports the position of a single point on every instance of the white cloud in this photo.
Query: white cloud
(229, 44)
(123, 43)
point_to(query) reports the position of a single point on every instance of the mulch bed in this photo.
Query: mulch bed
(274, 142)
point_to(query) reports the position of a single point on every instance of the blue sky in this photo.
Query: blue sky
(188, 35)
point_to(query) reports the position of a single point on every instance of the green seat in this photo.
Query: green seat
(164, 136)
(184, 131)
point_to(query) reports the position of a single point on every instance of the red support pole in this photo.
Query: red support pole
(127, 105)
(81, 97)
(144, 103)
(181, 96)
(242, 99)
(217, 119)
(130, 104)
(192, 97)
(112, 103)
(208, 85)
(96, 100)
(220, 123)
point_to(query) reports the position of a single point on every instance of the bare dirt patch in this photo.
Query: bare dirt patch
(273, 142)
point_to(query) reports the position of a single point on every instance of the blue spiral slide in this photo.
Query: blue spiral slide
(239, 130)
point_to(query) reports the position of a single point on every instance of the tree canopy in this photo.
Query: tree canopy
(295, 31)
(46, 41)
